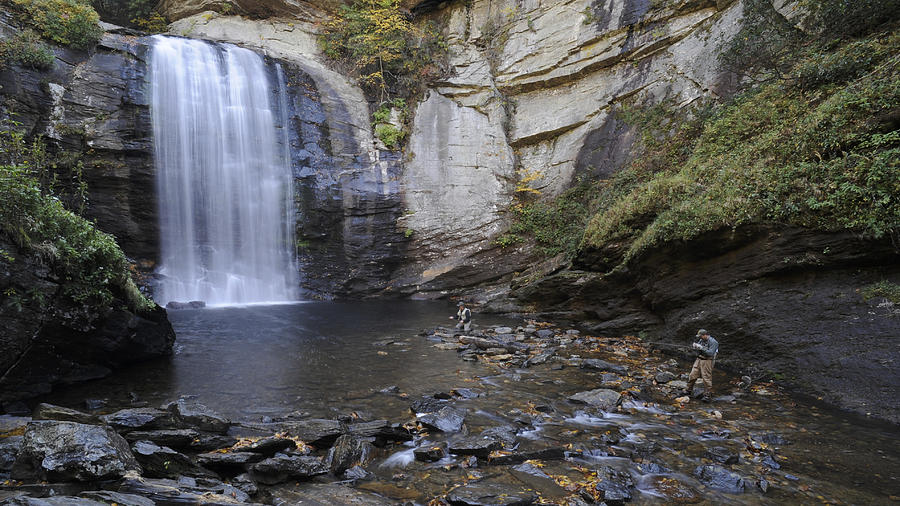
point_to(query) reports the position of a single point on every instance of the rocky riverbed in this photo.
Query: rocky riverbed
(539, 414)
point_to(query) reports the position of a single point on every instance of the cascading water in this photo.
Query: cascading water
(224, 178)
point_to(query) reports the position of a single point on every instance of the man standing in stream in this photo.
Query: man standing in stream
(707, 348)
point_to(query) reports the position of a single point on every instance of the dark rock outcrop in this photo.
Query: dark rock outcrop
(46, 339)
(782, 302)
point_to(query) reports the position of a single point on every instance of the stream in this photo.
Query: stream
(371, 360)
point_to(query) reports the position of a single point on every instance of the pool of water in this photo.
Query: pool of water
(317, 357)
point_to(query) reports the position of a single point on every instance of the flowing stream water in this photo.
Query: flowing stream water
(224, 178)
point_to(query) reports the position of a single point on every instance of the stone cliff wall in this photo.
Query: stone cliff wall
(94, 105)
(533, 88)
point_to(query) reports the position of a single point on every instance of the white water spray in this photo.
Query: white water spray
(224, 177)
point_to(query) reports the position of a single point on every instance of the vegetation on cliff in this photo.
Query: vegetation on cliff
(815, 142)
(89, 264)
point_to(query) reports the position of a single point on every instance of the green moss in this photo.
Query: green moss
(822, 153)
(882, 289)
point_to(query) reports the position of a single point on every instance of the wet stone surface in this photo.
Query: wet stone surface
(502, 428)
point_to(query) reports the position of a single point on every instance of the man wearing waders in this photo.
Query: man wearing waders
(464, 316)
(706, 348)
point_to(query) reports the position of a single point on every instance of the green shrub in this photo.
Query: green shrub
(850, 18)
(27, 49)
(67, 22)
(390, 135)
(151, 23)
(90, 265)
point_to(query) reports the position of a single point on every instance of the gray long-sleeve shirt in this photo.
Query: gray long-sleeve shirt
(710, 347)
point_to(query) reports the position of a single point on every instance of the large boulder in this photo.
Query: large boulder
(69, 451)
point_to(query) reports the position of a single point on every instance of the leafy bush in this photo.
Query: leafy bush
(67, 22)
(382, 46)
(27, 49)
(151, 23)
(92, 268)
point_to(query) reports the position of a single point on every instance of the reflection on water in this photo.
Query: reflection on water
(326, 359)
(317, 357)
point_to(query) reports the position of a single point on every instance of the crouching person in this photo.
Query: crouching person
(464, 317)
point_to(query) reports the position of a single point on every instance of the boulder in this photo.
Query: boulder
(431, 452)
(615, 487)
(602, 398)
(69, 451)
(447, 419)
(721, 479)
(9, 448)
(349, 451)
(163, 462)
(664, 377)
(722, 455)
(197, 416)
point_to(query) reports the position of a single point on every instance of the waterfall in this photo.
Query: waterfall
(223, 175)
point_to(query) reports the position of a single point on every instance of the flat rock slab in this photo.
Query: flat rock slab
(326, 495)
(602, 398)
(721, 479)
(173, 438)
(197, 416)
(107, 497)
(491, 494)
(228, 461)
(431, 452)
(45, 411)
(53, 501)
(140, 419)
(478, 446)
(164, 491)
(283, 467)
(69, 451)
(536, 479)
(317, 432)
(602, 365)
(447, 419)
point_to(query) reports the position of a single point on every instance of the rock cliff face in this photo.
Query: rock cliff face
(46, 339)
(94, 106)
(533, 88)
